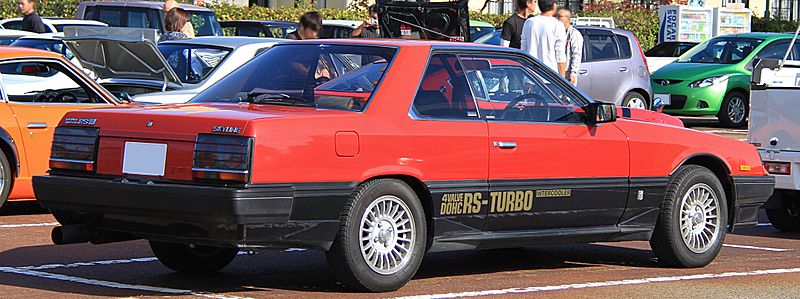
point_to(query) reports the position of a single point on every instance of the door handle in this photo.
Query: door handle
(623, 69)
(37, 125)
(505, 144)
(583, 72)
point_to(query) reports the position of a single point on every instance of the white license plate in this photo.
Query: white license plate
(144, 158)
(664, 98)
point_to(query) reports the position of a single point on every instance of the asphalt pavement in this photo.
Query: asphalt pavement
(755, 262)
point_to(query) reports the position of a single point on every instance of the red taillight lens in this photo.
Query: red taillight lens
(74, 148)
(784, 168)
(222, 158)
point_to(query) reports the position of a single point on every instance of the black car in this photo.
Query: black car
(255, 28)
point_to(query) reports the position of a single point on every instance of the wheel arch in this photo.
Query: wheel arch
(424, 195)
(722, 172)
(9, 148)
(741, 90)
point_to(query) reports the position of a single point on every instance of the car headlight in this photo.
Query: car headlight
(706, 82)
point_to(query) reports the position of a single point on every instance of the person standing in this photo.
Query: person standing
(545, 38)
(174, 21)
(574, 47)
(187, 29)
(512, 27)
(310, 26)
(370, 27)
(31, 22)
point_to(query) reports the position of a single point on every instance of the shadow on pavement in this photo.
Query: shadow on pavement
(305, 271)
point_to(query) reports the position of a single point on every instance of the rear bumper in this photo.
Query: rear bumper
(751, 193)
(265, 215)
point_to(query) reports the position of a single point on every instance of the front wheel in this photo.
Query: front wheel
(734, 110)
(691, 227)
(190, 258)
(381, 237)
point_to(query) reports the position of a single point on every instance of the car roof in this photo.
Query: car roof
(345, 23)
(146, 4)
(44, 36)
(7, 52)
(407, 43)
(223, 41)
(614, 30)
(12, 32)
(259, 21)
(764, 35)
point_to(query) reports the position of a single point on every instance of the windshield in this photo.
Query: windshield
(311, 75)
(721, 50)
(193, 63)
(205, 23)
(44, 44)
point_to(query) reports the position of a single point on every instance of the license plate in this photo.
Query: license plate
(144, 158)
(664, 98)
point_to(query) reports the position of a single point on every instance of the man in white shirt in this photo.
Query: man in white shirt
(545, 38)
(574, 44)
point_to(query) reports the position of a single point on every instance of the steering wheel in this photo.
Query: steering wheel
(51, 96)
(322, 80)
(513, 105)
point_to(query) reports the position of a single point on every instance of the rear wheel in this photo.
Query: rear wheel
(786, 219)
(381, 237)
(6, 178)
(635, 100)
(189, 258)
(691, 227)
(734, 110)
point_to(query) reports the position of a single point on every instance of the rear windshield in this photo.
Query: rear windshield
(205, 23)
(193, 63)
(721, 50)
(311, 75)
(44, 44)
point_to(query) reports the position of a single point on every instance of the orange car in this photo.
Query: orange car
(37, 89)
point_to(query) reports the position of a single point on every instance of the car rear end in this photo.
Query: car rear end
(775, 130)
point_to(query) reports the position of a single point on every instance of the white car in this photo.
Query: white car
(8, 36)
(168, 73)
(55, 25)
(338, 28)
(665, 53)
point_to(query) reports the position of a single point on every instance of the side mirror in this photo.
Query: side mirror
(599, 112)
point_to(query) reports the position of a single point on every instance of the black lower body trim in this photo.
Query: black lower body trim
(751, 193)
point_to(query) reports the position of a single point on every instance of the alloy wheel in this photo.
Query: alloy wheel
(699, 218)
(387, 235)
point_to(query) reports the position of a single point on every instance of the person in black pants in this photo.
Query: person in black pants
(31, 22)
(512, 27)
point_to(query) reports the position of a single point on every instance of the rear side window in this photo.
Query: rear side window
(16, 25)
(603, 47)
(624, 46)
(328, 77)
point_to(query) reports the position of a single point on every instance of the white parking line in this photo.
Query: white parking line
(601, 284)
(28, 225)
(111, 284)
(756, 248)
(764, 224)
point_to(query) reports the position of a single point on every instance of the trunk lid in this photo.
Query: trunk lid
(774, 106)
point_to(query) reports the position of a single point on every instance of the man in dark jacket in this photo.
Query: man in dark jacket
(512, 27)
(31, 22)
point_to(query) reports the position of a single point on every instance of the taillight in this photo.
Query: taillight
(641, 52)
(222, 158)
(74, 148)
(784, 168)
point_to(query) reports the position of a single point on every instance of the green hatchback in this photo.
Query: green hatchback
(713, 78)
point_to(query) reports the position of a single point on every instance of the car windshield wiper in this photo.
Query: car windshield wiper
(277, 99)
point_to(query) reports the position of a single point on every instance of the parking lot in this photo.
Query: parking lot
(757, 261)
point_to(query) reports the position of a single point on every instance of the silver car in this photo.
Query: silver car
(614, 69)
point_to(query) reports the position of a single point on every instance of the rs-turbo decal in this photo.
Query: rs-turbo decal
(496, 201)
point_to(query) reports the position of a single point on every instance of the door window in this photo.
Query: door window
(444, 91)
(44, 82)
(511, 88)
(662, 50)
(603, 47)
(112, 17)
(253, 30)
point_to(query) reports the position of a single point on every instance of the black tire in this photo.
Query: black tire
(667, 241)
(631, 95)
(6, 180)
(724, 116)
(786, 219)
(191, 259)
(345, 256)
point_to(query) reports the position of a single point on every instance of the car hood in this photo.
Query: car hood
(648, 116)
(447, 20)
(122, 58)
(688, 71)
